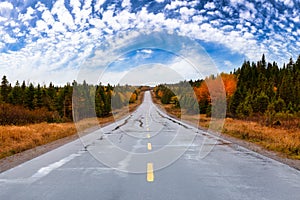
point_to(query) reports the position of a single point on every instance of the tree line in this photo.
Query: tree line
(26, 103)
(265, 88)
(255, 89)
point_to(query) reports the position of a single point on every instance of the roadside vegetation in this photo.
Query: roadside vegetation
(26, 104)
(31, 116)
(263, 104)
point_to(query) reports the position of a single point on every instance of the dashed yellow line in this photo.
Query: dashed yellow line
(150, 174)
(148, 129)
(149, 146)
(148, 135)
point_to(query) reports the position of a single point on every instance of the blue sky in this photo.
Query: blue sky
(43, 40)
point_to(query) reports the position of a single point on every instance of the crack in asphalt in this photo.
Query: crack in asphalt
(120, 138)
(119, 126)
(172, 120)
(141, 122)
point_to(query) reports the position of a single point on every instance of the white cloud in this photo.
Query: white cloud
(148, 51)
(227, 27)
(296, 19)
(41, 25)
(83, 14)
(246, 15)
(186, 13)
(63, 15)
(175, 4)
(47, 17)
(28, 15)
(6, 5)
(228, 9)
(2, 19)
(288, 3)
(40, 7)
(210, 5)
(228, 64)
(126, 4)
(99, 3)
(9, 39)
(236, 2)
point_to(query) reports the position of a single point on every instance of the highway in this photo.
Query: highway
(149, 155)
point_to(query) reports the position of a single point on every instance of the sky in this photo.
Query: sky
(44, 41)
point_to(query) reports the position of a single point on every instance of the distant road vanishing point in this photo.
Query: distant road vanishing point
(149, 155)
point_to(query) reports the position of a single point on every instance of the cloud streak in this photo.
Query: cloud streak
(52, 38)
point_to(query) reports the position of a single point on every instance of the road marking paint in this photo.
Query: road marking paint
(148, 129)
(149, 146)
(148, 135)
(150, 175)
(46, 170)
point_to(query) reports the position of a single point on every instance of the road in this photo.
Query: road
(149, 155)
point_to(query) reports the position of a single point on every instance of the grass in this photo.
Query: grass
(284, 139)
(16, 139)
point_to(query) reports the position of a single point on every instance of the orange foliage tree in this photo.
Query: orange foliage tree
(212, 89)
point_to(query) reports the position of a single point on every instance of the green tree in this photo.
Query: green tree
(235, 101)
(16, 96)
(279, 105)
(29, 97)
(261, 103)
(4, 89)
(38, 97)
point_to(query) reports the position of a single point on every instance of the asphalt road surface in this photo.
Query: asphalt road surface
(149, 155)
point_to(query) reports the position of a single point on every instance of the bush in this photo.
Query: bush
(18, 115)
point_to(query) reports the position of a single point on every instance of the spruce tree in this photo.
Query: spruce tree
(29, 97)
(4, 89)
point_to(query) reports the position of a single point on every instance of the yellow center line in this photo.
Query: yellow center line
(150, 174)
(148, 135)
(149, 146)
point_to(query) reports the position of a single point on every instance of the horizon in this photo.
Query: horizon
(49, 41)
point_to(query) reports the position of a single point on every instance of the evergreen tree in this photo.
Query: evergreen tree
(38, 97)
(23, 89)
(4, 89)
(236, 99)
(261, 103)
(15, 96)
(29, 97)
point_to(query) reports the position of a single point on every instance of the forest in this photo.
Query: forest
(253, 91)
(256, 90)
(25, 103)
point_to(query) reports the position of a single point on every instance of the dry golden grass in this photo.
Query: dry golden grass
(15, 139)
(282, 140)
(279, 139)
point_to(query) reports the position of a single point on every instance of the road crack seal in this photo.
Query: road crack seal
(119, 126)
(172, 120)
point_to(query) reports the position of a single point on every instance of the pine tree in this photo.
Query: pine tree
(235, 101)
(15, 96)
(38, 97)
(29, 97)
(23, 89)
(4, 89)
(261, 103)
